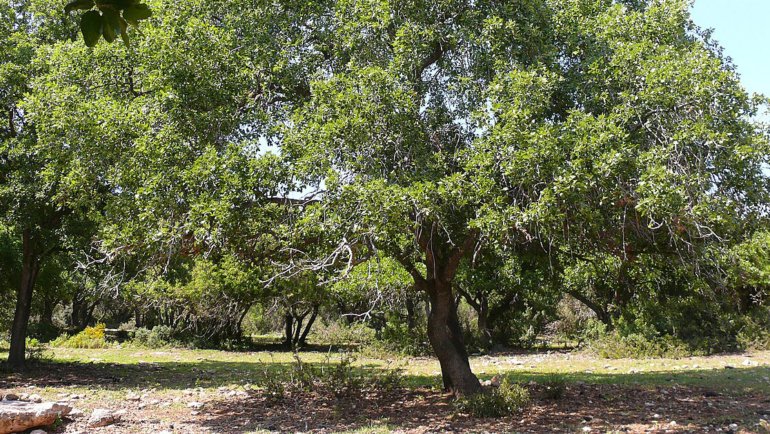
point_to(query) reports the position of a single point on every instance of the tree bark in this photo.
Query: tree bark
(289, 331)
(411, 316)
(313, 316)
(29, 271)
(483, 323)
(446, 338)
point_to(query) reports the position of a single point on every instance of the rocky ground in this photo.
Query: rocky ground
(718, 394)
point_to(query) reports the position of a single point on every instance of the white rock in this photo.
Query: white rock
(102, 417)
(133, 397)
(17, 416)
(76, 413)
(38, 431)
(196, 405)
(35, 398)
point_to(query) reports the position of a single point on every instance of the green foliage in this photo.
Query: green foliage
(502, 401)
(397, 338)
(613, 345)
(554, 387)
(108, 18)
(754, 334)
(339, 332)
(90, 337)
(36, 351)
(339, 378)
(159, 336)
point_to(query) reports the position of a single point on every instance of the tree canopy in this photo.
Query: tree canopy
(504, 152)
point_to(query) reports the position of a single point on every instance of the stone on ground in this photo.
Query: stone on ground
(17, 416)
(103, 417)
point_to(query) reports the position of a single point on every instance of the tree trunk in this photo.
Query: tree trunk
(303, 338)
(289, 331)
(411, 315)
(485, 331)
(601, 313)
(30, 268)
(446, 338)
(46, 316)
(297, 329)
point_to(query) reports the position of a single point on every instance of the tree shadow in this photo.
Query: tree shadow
(600, 402)
(695, 399)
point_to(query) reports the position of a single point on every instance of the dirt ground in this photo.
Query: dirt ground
(654, 406)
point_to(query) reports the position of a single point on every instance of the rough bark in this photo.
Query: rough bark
(29, 272)
(446, 338)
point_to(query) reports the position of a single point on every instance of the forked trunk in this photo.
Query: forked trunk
(29, 270)
(446, 338)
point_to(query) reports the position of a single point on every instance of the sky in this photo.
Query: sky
(742, 27)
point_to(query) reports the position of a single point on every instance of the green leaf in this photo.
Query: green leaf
(135, 13)
(124, 31)
(78, 5)
(111, 25)
(91, 27)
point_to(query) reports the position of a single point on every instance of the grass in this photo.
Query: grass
(106, 376)
(211, 368)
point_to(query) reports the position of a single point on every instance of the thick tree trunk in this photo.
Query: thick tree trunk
(446, 338)
(29, 271)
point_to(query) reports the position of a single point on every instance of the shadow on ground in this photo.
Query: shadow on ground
(695, 400)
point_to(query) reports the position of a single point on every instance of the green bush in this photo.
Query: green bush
(396, 338)
(36, 351)
(502, 401)
(90, 337)
(755, 333)
(341, 333)
(554, 387)
(614, 345)
(159, 337)
(339, 378)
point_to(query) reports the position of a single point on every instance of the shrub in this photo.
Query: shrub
(755, 333)
(90, 337)
(159, 337)
(554, 388)
(36, 351)
(502, 401)
(396, 338)
(613, 345)
(341, 333)
(338, 378)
